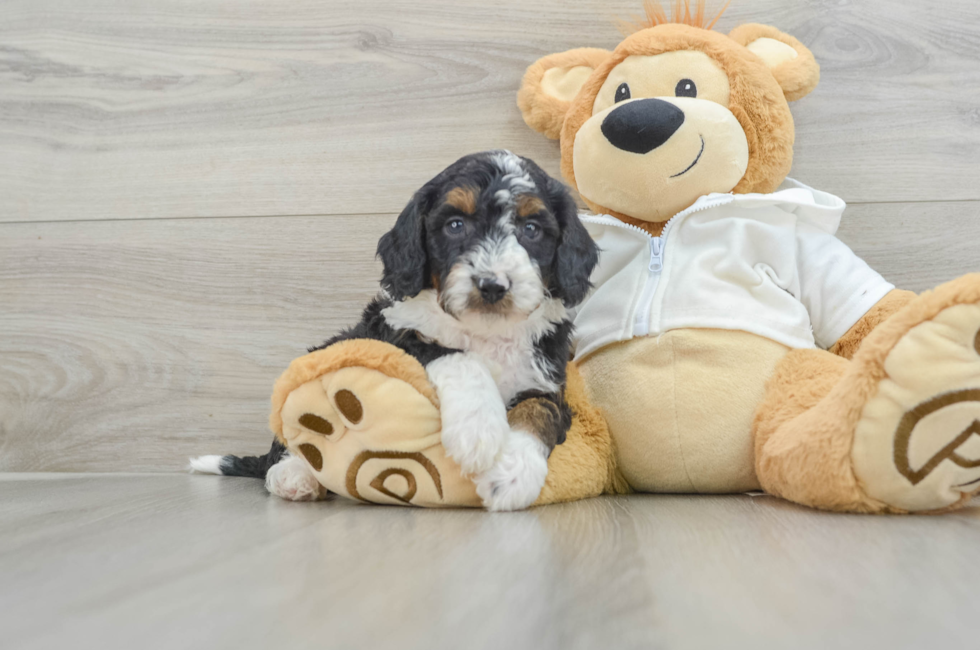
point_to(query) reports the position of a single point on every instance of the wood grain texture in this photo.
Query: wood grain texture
(204, 562)
(131, 345)
(120, 109)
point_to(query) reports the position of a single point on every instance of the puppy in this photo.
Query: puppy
(479, 272)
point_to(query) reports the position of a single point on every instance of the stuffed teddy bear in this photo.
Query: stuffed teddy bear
(731, 342)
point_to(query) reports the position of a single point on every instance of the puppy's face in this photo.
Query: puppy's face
(491, 240)
(494, 236)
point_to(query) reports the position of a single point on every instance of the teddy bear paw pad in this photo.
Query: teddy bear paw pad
(928, 405)
(371, 437)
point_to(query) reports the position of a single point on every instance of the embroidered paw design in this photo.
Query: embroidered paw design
(929, 402)
(374, 438)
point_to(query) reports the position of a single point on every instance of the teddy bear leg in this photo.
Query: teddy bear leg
(801, 452)
(899, 431)
(364, 419)
(584, 465)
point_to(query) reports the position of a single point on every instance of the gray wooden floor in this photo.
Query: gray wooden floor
(190, 194)
(171, 561)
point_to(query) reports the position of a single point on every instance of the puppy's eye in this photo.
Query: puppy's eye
(531, 231)
(686, 88)
(455, 226)
(623, 92)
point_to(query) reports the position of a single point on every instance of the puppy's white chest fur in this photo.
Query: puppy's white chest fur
(512, 363)
(507, 347)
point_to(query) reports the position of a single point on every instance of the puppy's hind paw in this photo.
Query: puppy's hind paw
(292, 480)
(515, 480)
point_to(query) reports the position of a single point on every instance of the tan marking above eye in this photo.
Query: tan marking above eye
(462, 198)
(657, 76)
(528, 205)
(316, 423)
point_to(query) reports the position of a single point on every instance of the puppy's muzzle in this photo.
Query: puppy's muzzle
(491, 290)
(642, 125)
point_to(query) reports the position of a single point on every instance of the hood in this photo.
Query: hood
(819, 209)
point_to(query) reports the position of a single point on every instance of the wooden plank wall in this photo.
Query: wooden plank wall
(191, 190)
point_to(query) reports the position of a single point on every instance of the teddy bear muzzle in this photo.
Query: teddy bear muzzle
(642, 125)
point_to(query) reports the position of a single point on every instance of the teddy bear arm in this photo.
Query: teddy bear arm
(891, 303)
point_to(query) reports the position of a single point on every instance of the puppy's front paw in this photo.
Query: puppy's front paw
(474, 418)
(292, 480)
(475, 443)
(515, 480)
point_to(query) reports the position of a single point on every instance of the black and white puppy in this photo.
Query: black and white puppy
(479, 271)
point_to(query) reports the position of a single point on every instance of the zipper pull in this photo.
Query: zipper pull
(656, 254)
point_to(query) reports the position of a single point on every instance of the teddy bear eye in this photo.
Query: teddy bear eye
(623, 92)
(686, 88)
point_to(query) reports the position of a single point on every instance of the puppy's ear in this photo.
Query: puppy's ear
(403, 252)
(577, 254)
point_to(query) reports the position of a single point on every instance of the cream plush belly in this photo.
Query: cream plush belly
(680, 407)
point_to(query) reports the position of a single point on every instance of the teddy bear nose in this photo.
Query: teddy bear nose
(642, 125)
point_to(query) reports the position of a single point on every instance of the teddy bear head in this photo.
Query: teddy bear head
(675, 112)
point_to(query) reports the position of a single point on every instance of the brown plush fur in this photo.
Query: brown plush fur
(652, 228)
(543, 113)
(805, 426)
(803, 451)
(796, 77)
(848, 344)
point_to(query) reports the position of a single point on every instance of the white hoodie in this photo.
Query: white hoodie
(768, 264)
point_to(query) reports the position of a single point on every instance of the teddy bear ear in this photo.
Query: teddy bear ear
(551, 83)
(789, 60)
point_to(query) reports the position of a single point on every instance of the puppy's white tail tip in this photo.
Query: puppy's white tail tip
(205, 465)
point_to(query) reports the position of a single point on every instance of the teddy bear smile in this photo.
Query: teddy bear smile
(691, 166)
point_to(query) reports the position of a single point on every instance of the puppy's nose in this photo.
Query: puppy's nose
(490, 289)
(642, 125)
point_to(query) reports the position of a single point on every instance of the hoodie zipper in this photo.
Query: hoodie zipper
(655, 265)
(641, 323)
